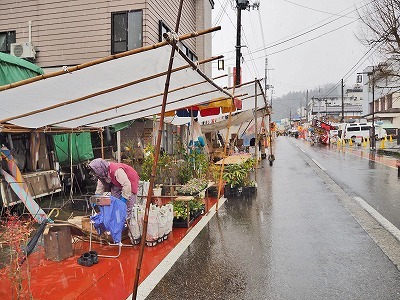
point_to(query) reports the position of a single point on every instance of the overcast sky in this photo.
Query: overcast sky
(324, 55)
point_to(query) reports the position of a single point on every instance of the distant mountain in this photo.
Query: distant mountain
(289, 104)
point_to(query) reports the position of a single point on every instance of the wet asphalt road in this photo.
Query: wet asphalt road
(294, 240)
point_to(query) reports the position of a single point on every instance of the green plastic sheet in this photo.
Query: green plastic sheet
(81, 147)
(14, 69)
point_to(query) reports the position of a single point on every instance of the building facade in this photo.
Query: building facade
(333, 109)
(382, 104)
(54, 34)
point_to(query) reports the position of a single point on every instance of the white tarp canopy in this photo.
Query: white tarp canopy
(237, 119)
(247, 95)
(111, 92)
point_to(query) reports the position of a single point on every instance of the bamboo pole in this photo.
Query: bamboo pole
(156, 155)
(255, 128)
(102, 92)
(240, 85)
(11, 128)
(155, 106)
(249, 97)
(71, 168)
(195, 66)
(223, 160)
(224, 155)
(104, 59)
(102, 144)
(237, 133)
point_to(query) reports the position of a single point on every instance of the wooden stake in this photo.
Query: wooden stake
(156, 155)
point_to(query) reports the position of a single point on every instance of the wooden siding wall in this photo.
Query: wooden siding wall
(70, 32)
(168, 15)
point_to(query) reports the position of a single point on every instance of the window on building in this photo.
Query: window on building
(163, 29)
(127, 31)
(6, 39)
(389, 99)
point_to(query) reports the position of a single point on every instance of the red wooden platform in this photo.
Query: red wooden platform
(111, 278)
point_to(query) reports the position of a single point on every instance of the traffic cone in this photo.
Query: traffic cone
(385, 138)
(364, 142)
(350, 142)
(382, 144)
(390, 138)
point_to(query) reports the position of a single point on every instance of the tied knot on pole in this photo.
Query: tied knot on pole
(65, 69)
(171, 37)
(195, 65)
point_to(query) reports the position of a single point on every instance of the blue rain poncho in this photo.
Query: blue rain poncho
(111, 218)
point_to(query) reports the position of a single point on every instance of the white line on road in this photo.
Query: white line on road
(302, 150)
(318, 164)
(379, 218)
(158, 273)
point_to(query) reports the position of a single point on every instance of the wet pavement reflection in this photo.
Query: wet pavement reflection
(293, 240)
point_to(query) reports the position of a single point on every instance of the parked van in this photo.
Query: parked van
(355, 131)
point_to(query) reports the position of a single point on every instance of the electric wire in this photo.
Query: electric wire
(317, 10)
(310, 30)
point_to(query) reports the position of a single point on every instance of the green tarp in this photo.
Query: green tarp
(81, 147)
(13, 69)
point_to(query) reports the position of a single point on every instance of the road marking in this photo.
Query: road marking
(158, 273)
(379, 218)
(302, 150)
(318, 164)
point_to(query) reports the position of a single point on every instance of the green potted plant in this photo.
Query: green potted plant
(249, 188)
(234, 176)
(193, 187)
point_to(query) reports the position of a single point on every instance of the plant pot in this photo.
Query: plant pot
(157, 192)
(213, 191)
(249, 191)
(180, 223)
(229, 191)
(239, 191)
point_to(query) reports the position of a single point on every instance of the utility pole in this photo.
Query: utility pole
(266, 75)
(342, 121)
(307, 106)
(241, 5)
(373, 142)
(372, 108)
(238, 46)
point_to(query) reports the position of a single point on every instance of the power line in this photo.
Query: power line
(311, 30)
(317, 10)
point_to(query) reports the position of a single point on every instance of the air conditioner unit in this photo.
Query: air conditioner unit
(23, 50)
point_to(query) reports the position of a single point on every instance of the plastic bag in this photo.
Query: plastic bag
(162, 223)
(170, 217)
(152, 225)
(135, 226)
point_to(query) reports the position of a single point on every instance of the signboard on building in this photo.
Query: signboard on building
(322, 125)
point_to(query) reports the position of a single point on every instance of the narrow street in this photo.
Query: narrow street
(303, 236)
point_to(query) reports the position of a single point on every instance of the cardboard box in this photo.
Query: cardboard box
(58, 243)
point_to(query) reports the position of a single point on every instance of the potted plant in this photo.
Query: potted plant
(193, 187)
(249, 188)
(234, 176)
